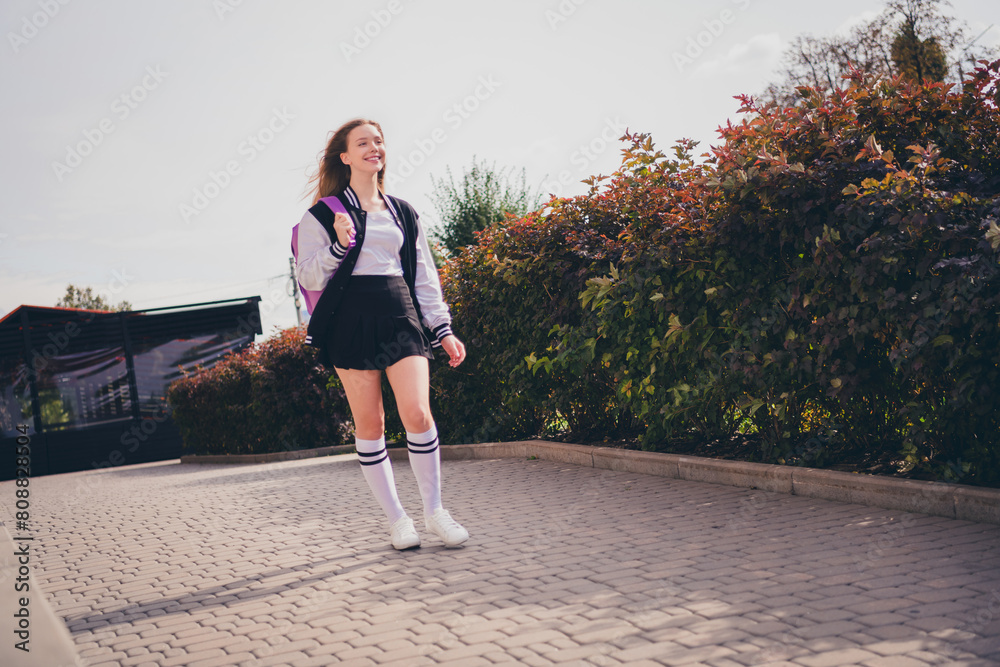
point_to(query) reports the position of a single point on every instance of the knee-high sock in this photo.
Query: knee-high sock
(425, 459)
(378, 473)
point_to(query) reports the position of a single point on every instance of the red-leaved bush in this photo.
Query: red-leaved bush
(269, 397)
(828, 282)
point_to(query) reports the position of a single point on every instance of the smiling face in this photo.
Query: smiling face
(365, 150)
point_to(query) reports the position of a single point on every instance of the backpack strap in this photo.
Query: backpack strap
(325, 213)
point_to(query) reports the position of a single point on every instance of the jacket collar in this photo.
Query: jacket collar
(352, 198)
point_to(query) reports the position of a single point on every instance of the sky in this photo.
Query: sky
(159, 151)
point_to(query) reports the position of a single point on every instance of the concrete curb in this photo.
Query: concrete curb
(292, 455)
(49, 641)
(955, 501)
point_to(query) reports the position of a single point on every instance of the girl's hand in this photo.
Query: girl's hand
(455, 349)
(344, 227)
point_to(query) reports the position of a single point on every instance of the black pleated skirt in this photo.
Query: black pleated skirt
(375, 325)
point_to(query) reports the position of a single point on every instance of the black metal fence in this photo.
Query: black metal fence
(89, 388)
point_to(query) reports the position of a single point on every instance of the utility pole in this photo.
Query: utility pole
(294, 286)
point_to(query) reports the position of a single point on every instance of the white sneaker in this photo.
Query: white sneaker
(450, 531)
(404, 535)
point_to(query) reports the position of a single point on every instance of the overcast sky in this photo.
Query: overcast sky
(159, 151)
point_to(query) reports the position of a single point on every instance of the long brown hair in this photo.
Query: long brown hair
(333, 176)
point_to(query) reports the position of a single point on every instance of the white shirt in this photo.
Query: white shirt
(319, 257)
(383, 241)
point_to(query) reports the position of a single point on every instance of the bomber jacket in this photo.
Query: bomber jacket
(323, 263)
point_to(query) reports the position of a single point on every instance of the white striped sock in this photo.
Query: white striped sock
(378, 473)
(425, 459)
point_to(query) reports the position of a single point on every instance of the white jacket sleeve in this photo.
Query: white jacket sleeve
(435, 311)
(317, 258)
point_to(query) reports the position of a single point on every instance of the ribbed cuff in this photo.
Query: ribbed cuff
(338, 250)
(440, 332)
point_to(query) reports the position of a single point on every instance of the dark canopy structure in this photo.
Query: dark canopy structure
(88, 388)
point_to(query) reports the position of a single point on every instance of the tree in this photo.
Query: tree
(913, 38)
(483, 196)
(85, 298)
(917, 57)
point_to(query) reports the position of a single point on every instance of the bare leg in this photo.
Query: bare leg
(410, 380)
(364, 394)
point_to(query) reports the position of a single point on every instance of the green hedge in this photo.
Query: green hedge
(827, 282)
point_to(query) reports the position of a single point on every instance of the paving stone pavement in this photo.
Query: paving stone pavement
(290, 564)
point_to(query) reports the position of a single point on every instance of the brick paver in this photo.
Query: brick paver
(290, 563)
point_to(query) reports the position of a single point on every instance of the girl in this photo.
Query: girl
(367, 253)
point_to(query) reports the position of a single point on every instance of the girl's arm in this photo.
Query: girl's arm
(435, 311)
(317, 257)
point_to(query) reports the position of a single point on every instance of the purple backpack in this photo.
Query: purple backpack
(312, 296)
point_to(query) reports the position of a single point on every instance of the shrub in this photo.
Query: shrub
(827, 282)
(269, 397)
(483, 196)
(829, 275)
(509, 294)
(884, 289)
